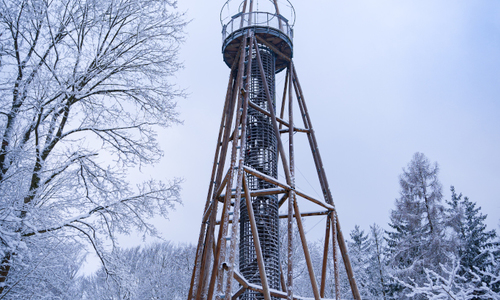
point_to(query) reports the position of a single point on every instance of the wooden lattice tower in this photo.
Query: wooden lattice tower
(238, 249)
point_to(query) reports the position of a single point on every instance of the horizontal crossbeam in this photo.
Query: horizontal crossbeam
(257, 288)
(304, 214)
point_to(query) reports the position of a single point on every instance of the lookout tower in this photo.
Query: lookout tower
(238, 253)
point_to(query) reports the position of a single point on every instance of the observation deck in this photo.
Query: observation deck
(272, 28)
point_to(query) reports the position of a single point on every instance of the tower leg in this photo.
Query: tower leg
(324, 183)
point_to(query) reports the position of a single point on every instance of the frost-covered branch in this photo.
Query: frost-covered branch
(84, 87)
(449, 284)
(156, 199)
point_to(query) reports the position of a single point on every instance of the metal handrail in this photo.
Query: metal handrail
(257, 19)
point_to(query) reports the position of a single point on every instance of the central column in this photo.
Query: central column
(262, 155)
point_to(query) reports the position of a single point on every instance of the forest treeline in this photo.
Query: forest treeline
(435, 247)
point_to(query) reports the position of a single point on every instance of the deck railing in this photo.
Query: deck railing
(257, 19)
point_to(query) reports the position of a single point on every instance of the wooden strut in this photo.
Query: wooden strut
(274, 49)
(209, 237)
(287, 187)
(333, 220)
(283, 280)
(242, 120)
(278, 13)
(285, 216)
(282, 114)
(263, 192)
(243, 13)
(253, 287)
(217, 275)
(250, 13)
(325, 257)
(265, 112)
(306, 251)
(200, 249)
(288, 175)
(258, 250)
(324, 182)
(282, 200)
(292, 200)
(266, 192)
(206, 234)
(273, 116)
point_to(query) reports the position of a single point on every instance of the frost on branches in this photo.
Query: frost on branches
(83, 85)
(449, 284)
(157, 271)
(438, 253)
(417, 239)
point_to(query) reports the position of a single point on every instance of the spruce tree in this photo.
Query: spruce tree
(359, 247)
(472, 239)
(367, 255)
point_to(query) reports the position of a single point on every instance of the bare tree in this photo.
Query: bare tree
(83, 85)
(156, 271)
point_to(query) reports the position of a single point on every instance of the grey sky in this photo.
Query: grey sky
(383, 79)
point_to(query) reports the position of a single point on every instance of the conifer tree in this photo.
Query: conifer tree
(417, 239)
(377, 269)
(473, 243)
(359, 252)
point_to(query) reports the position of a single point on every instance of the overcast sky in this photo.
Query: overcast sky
(383, 79)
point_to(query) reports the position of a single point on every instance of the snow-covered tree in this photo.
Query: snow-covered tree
(359, 254)
(51, 272)
(83, 85)
(368, 258)
(490, 274)
(448, 284)
(301, 281)
(417, 240)
(469, 232)
(377, 270)
(158, 271)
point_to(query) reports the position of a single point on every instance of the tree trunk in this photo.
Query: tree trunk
(4, 270)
